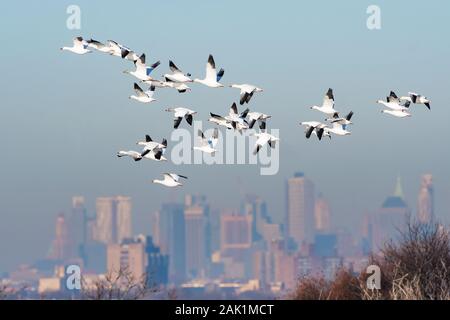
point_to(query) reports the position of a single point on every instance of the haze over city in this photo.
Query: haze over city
(64, 117)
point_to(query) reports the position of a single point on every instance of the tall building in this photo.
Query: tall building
(322, 215)
(172, 240)
(157, 264)
(257, 208)
(77, 225)
(300, 221)
(60, 243)
(195, 240)
(128, 255)
(391, 218)
(425, 200)
(113, 222)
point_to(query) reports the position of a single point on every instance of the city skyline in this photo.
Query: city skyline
(72, 122)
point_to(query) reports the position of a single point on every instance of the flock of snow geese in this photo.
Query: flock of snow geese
(235, 120)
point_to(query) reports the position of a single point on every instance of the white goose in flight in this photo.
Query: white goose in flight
(132, 154)
(143, 72)
(208, 145)
(116, 49)
(220, 121)
(417, 99)
(150, 144)
(143, 96)
(397, 113)
(99, 46)
(154, 154)
(237, 120)
(212, 77)
(79, 46)
(344, 121)
(393, 102)
(247, 91)
(170, 180)
(315, 127)
(179, 86)
(264, 138)
(258, 116)
(327, 106)
(338, 129)
(179, 113)
(177, 75)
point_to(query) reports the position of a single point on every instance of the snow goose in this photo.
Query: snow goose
(143, 72)
(220, 121)
(397, 113)
(417, 99)
(116, 49)
(132, 154)
(143, 96)
(150, 144)
(237, 120)
(247, 91)
(338, 129)
(99, 46)
(170, 180)
(315, 127)
(179, 113)
(179, 86)
(212, 77)
(177, 75)
(258, 116)
(262, 139)
(327, 106)
(344, 121)
(154, 154)
(393, 102)
(79, 46)
(208, 145)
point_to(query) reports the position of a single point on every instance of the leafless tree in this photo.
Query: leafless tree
(118, 285)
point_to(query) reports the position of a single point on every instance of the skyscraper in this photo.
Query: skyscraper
(391, 218)
(425, 200)
(157, 264)
(59, 247)
(172, 239)
(322, 215)
(195, 240)
(113, 223)
(300, 221)
(77, 225)
(128, 255)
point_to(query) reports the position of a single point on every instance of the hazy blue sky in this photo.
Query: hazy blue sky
(64, 116)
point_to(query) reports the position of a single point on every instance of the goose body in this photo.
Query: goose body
(264, 138)
(257, 116)
(397, 113)
(180, 113)
(316, 128)
(327, 106)
(132, 154)
(79, 46)
(170, 180)
(246, 92)
(177, 75)
(417, 99)
(208, 145)
(142, 71)
(212, 77)
(393, 102)
(143, 96)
